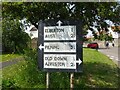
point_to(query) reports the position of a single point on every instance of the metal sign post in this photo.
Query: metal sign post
(47, 80)
(71, 81)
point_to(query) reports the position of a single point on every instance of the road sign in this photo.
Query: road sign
(60, 33)
(62, 61)
(60, 46)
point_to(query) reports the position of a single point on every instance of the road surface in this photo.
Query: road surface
(11, 62)
(112, 53)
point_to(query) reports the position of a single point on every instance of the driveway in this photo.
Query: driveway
(11, 62)
(112, 53)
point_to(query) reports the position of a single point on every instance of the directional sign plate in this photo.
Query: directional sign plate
(60, 61)
(60, 33)
(59, 46)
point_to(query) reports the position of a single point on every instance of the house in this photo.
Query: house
(33, 33)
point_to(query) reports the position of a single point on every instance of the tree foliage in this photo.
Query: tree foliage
(14, 40)
(85, 11)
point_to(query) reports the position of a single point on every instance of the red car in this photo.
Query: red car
(93, 45)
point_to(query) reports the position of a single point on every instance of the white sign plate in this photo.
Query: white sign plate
(60, 61)
(59, 46)
(60, 33)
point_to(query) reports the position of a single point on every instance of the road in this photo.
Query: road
(112, 53)
(11, 62)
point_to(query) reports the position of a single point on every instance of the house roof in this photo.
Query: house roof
(33, 29)
(35, 38)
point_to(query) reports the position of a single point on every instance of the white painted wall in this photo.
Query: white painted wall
(34, 34)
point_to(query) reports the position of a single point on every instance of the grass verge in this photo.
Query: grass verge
(98, 72)
(8, 57)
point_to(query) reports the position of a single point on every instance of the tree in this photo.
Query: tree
(14, 40)
(88, 12)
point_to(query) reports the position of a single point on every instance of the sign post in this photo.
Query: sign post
(71, 81)
(47, 80)
(60, 46)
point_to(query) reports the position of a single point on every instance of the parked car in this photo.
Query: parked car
(93, 45)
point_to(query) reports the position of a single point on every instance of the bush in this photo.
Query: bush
(8, 84)
(34, 75)
(14, 39)
(37, 77)
(31, 54)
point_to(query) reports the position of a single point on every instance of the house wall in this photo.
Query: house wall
(34, 43)
(34, 34)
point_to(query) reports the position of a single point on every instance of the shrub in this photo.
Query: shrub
(8, 84)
